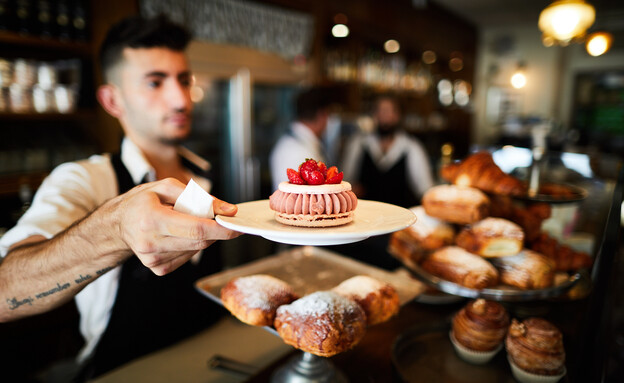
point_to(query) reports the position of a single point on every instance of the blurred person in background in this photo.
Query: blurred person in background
(304, 137)
(387, 165)
(120, 250)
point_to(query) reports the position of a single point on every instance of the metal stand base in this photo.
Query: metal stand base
(308, 368)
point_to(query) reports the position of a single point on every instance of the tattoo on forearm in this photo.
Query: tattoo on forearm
(14, 303)
(53, 290)
(104, 270)
(83, 278)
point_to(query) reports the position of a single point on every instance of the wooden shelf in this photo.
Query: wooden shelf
(12, 38)
(81, 114)
(10, 183)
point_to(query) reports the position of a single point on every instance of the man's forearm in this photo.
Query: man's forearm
(40, 276)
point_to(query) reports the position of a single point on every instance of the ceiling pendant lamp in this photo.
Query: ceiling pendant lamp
(565, 20)
(598, 43)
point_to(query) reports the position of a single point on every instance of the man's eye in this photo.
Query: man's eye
(185, 82)
(153, 84)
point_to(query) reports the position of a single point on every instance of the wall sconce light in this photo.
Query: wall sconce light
(518, 78)
(598, 43)
(392, 46)
(565, 20)
(429, 57)
(340, 28)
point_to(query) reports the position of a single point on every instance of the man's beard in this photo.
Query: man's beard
(387, 130)
(172, 141)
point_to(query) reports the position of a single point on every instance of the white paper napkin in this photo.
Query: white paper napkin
(195, 201)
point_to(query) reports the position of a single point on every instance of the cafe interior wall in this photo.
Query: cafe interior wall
(550, 71)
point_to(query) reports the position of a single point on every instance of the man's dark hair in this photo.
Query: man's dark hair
(141, 32)
(311, 101)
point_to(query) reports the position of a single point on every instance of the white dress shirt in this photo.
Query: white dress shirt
(69, 193)
(292, 149)
(419, 174)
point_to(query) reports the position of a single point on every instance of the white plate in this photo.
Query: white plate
(371, 218)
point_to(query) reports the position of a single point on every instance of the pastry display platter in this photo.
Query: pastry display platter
(424, 353)
(498, 293)
(371, 218)
(571, 194)
(308, 269)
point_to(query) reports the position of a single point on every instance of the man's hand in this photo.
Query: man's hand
(161, 237)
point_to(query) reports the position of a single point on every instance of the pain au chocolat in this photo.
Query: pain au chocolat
(323, 323)
(461, 205)
(459, 266)
(491, 237)
(526, 270)
(254, 299)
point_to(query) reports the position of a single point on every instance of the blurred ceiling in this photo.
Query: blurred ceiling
(492, 13)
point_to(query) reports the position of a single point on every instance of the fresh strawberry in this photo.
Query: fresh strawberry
(333, 176)
(314, 177)
(294, 177)
(322, 168)
(332, 171)
(307, 168)
(308, 164)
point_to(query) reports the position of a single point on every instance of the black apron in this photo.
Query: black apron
(152, 312)
(391, 187)
(388, 186)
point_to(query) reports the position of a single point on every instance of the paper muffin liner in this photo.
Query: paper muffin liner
(523, 376)
(472, 356)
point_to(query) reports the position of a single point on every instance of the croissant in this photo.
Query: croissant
(528, 216)
(479, 171)
(536, 345)
(459, 266)
(526, 270)
(481, 325)
(565, 257)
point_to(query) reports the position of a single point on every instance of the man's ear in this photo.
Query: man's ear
(109, 99)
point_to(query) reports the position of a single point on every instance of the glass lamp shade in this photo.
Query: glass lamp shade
(565, 20)
(598, 43)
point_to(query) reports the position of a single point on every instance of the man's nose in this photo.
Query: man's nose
(179, 96)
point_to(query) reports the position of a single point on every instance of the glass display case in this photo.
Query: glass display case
(587, 219)
(578, 190)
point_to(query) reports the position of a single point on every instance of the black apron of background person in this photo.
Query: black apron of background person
(151, 312)
(390, 186)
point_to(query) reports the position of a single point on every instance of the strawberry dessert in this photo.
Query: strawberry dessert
(315, 196)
